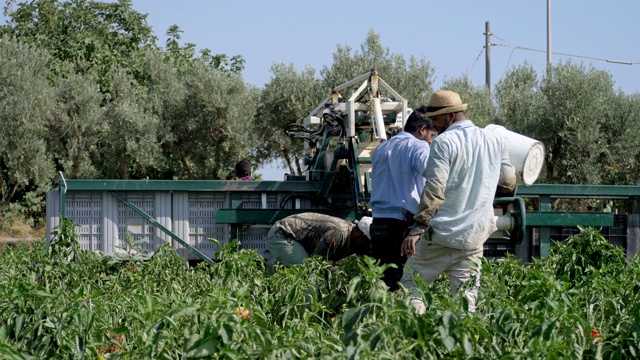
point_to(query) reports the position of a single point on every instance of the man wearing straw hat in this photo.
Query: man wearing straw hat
(465, 168)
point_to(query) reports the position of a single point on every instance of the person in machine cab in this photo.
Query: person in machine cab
(243, 170)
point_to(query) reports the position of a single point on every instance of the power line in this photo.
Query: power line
(516, 47)
(479, 54)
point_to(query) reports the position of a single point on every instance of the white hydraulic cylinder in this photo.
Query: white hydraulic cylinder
(504, 223)
(379, 119)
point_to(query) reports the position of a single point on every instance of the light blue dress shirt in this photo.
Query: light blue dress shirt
(396, 176)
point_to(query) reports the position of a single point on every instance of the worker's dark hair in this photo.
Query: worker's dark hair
(417, 119)
(243, 168)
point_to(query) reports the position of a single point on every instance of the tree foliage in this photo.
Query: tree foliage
(183, 55)
(211, 125)
(286, 99)
(26, 104)
(411, 78)
(620, 140)
(76, 125)
(569, 110)
(94, 36)
(481, 110)
(86, 91)
(131, 132)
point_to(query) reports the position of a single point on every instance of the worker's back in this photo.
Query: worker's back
(471, 158)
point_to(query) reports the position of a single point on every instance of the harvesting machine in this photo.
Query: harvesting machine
(339, 135)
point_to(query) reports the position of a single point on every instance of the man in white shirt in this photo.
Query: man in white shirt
(466, 166)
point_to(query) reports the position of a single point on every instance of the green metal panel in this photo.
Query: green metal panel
(545, 241)
(552, 218)
(542, 219)
(364, 159)
(545, 203)
(547, 219)
(191, 185)
(579, 191)
(270, 216)
(236, 200)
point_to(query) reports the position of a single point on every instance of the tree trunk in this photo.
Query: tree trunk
(185, 165)
(76, 162)
(124, 167)
(298, 166)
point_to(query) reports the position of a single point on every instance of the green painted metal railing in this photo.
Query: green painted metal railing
(544, 218)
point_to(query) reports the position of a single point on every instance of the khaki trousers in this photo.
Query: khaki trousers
(431, 260)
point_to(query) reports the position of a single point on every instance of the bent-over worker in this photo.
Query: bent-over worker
(300, 236)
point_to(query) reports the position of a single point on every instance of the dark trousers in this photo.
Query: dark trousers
(386, 240)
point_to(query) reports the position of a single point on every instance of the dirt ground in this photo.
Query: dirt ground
(9, 241)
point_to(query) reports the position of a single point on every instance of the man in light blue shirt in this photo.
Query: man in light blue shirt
(466, 166)
(396, 187)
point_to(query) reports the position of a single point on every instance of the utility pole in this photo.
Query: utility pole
(548, 33)
(487, 54)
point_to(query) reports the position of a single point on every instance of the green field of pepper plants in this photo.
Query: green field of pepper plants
(582, 302)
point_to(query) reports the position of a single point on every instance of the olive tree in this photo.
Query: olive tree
(567, 110)
(577, 102)
(94, 36)
(76, 125)
(26, 104)
(129, 144)
(210, 124)
(481, 110)
(411, 78)
(620, 140)
(519, 101)
(286, 99)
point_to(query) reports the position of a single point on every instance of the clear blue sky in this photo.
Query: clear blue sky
(448, 33)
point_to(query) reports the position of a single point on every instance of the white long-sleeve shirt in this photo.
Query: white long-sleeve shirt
(465, 166)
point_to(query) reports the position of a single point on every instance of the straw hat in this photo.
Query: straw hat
(445, 102)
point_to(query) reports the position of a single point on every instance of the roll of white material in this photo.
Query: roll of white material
(526, 154)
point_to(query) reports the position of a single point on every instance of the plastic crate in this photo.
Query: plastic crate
(496, 251)
(255, 237)
(85, 209)
(202, 222)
